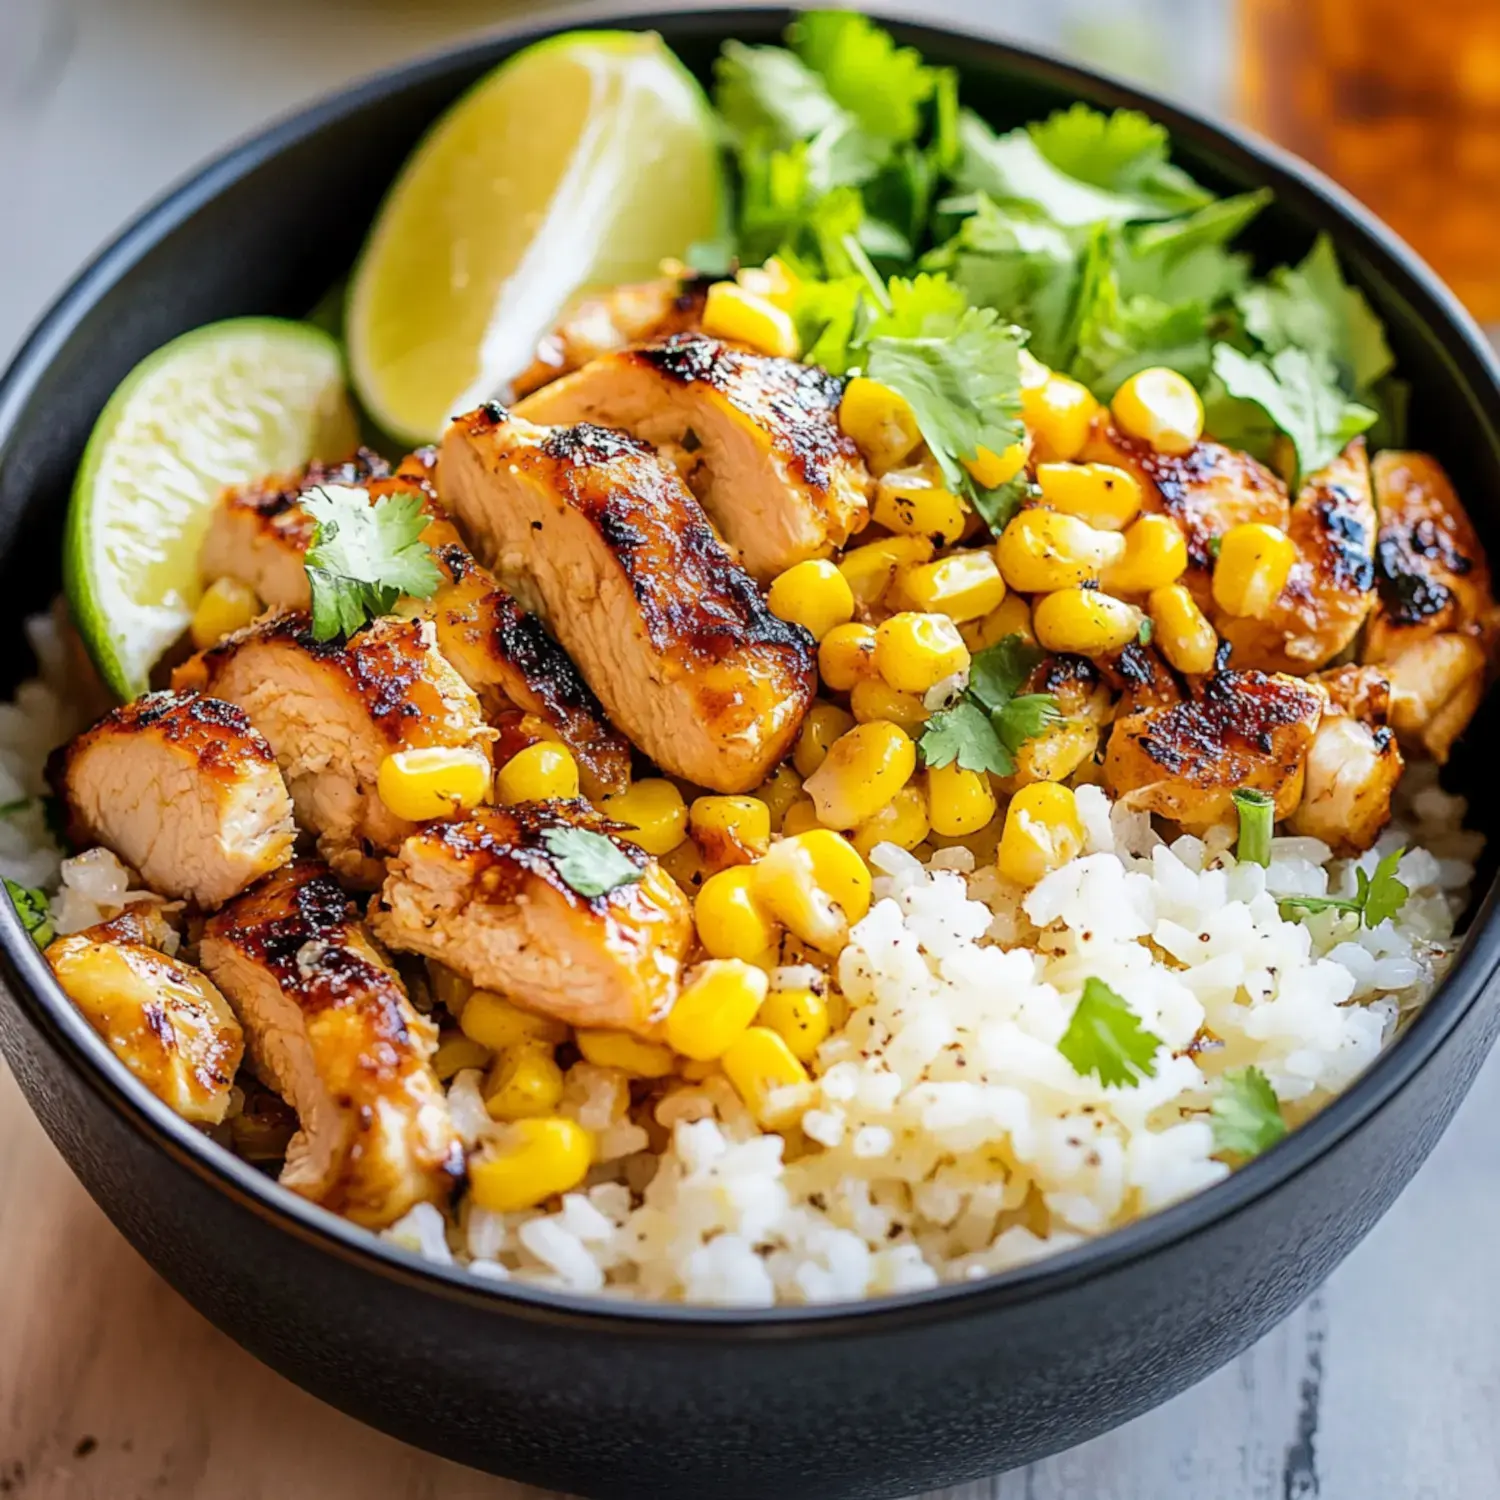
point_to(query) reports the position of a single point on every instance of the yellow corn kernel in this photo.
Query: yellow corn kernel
(494, 1022)
(845, 655)
(1180, 631)
(801, 816)
(1106, 497)
(870, 570)
(775, 281)
(630, 1054)
(963, 585)
(880, 421)
(1012, 617)
(227, 605)
(812, 594)
(817, 885)
(914, 652)
(534, 1160)
(1155, 555)
(731, 921)
(1042, 550)
(915, 502)
(716, 1004)
(524, 1082)
(730, 830)
(730, 312)
(1042, 832)
(448, 987)
(1058, 413)
(696, 1072)
(875, 700)
(1160, 407)
(993, 469)
(778, 791)
(825, 723)
(654, 814)
(1056, 753)
(1255, 560)
(536, 774)
(760, 1065)
(960, 801)
(863, 771)
(903, 821)
(455, 1053)
(437, 782)
(1085, 622)
(800, 1018)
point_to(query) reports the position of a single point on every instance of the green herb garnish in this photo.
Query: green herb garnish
(1106, 1038)
(32, 908)
(10, 809)
(364, 557)
(1245, 1113)
(1379, 896)
(588, 862)
(1257, 823)
(989, 724)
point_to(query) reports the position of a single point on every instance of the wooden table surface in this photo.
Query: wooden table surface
(1383, 1387)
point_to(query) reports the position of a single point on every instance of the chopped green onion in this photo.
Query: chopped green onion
(1257, 821)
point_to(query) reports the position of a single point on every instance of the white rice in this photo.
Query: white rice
(943, 1135)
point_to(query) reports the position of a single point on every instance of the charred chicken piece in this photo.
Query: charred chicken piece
(163, 1019)
(333, 710)
(757, 439)
(487, 897)
(330, 1028)
(183, 789)
(619, 560)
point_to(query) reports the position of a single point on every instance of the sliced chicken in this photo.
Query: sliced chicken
(756, 438)
(602, 322)
(1331, 589)
(487, 897)
(183, 789)
(1436, 621)
(618, 559)
(163, 1019)
(1243, 729)
(1353, 765)
(333, 711)
(260, 535)
(330, 1028)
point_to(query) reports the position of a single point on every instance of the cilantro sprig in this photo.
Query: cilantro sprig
(589, 863)
(1245, 1114)
(32, 908)
(364, 557)
(985, 729)
(1377, 897)
(1106, 1038)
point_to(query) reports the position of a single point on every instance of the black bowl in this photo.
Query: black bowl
(579, 1394)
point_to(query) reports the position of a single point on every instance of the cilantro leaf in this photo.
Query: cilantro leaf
(996, 507)
(881, 84)
(770, 96)
(1245, 1113)
(1184, 260)
(1300, 394)
(965, 734)
(1106, 1038)
(996, 672)
(1377, 898)
(1024, 718)
(588, 862)
(923, 307)
(364, 557)
(32, 908)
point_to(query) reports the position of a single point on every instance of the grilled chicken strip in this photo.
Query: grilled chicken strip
(1436, 619)
(332, 711)
(606, 321)
(183, 789)
(756, 438)
(259, 536)
(486, 896)
(624, 568)
(1353, 765)
(1243, 729)
(162, 1018)
(1331, 588)
(330, 1028)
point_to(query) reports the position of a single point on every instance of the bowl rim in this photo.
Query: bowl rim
(30, 983)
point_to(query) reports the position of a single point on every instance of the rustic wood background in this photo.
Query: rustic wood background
(1383, 1387)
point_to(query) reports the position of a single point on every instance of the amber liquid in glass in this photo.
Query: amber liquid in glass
(1399, 101)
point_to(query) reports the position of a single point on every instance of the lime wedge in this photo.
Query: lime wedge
(582, 161)
(226, 404)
